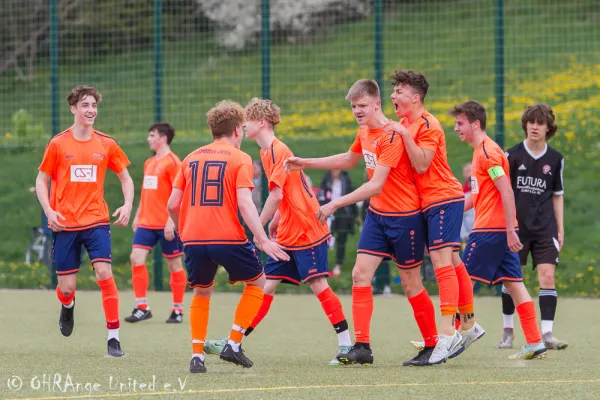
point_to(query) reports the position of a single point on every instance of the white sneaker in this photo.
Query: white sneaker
(468, 338)
(444, 347)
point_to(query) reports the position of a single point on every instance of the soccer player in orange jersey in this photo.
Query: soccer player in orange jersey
(491, 255)
(152, 224)
(75, 161)
(292, 207)
(394, 227)
(442, 202)
(213, 183)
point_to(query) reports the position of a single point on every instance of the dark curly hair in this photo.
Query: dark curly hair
(415, 80)
(543, 114)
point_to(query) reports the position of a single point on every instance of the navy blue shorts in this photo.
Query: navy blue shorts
(443, 225)
(400, 238)
(66, 250)
(146, 239)
(239, 260)
(489, 260)
(303, 266)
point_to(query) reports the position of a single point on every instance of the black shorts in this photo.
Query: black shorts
(543, 251)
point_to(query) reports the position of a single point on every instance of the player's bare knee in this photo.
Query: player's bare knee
(517, 291)
(441, 257)
(174, 264)
(318, 285)
(138, 256)
(103, 271)
(258, 282)
(67, 284)
(270, 286)
(411, 281)
(546, 277)
(360, 276)
(203, 291)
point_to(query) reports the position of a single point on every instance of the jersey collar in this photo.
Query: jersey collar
(534, 156)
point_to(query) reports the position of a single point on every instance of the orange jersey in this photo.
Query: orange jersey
(209, 178)
(159, 175)
(399, 195)
(437, 185)
(489, 212)
(77, 169)
(298, 227)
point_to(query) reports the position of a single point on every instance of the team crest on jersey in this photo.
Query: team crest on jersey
(99, 156)
(546, 170)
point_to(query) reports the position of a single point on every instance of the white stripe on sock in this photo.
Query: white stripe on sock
(547, 326)
(509, 322)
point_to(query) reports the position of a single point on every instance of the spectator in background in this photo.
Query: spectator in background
(336, 184)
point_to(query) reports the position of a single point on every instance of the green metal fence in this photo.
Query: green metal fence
(173, 59)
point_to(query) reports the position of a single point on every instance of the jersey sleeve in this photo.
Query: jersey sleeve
(391, 150)
(179, 181)
(278, 176)
(492, 161)
(118, 161)
(245, 174)
(557, 185)
(356, 147)
(512, 167)
(50, 160)
(429, 138)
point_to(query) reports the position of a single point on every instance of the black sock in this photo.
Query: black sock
(508, 306)
(548, 300)
(363, 345)
(341, 326)
(248, 331)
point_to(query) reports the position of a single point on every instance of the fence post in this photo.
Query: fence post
(158, 76)
(499, 51)
(54, 107)
(265, 47)
(379, 44)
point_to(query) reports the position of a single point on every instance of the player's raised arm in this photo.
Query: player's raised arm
(124, 212)
(367, 190)
(510, 211)
(250, 216)
(340, 161)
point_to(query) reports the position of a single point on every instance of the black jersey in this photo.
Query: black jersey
(534, 180)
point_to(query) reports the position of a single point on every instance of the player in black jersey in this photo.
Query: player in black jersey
(536, 174)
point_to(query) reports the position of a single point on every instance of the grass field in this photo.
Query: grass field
(290, 351)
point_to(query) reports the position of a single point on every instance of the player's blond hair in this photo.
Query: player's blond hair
(81, 91)
(363, 87)
(224, 117)
(259, 109)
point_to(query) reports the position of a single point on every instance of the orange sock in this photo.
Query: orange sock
(178, 282)
(110, 302)
(362, 310)
(448, 284)
(262, 312)
(424, 313)
(528, 320)
(332, 306)
(64, 300)
(250, 303)
(140, 281)
(199, 310)
(465, 290)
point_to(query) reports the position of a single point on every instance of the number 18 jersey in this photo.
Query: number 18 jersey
(209, 178)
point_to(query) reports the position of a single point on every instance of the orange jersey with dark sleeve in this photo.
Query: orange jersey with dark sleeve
(399, 195)
(489, 163)
(437, 185)
(159, 176)
(77, 169)
(298, 227)
(209, 178)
